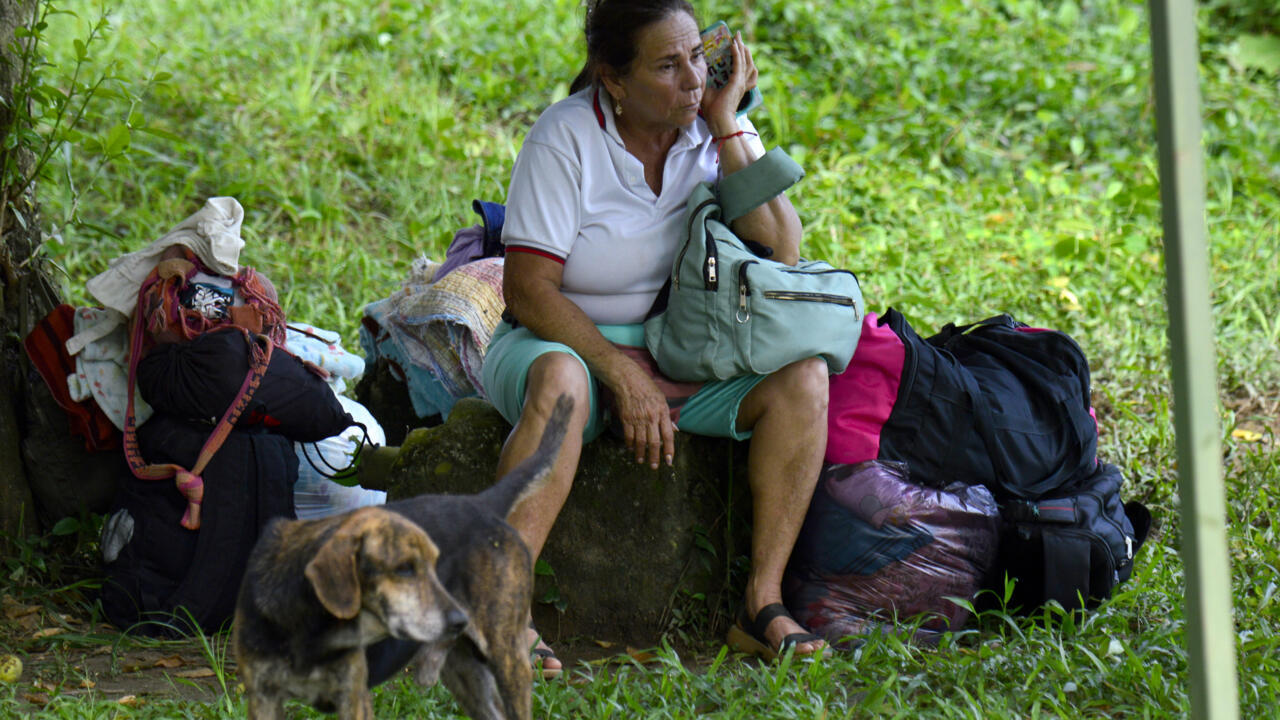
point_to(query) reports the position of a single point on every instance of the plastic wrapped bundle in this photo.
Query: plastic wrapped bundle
(315, 495)
(877, 549)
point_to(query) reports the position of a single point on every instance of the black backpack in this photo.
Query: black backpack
(1004, 405)
(164, 579)
(994, 403)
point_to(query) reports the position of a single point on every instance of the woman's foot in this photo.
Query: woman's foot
(773, 632)
(545, 662)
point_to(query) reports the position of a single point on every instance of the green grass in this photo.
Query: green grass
(963, 157)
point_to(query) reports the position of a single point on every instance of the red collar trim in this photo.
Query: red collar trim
(595, 105)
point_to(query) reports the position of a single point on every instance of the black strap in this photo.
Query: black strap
(768, 614)
(1066, 569)
(984, 424)
(337, 473)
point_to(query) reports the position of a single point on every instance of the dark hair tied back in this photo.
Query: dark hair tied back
(611, 30)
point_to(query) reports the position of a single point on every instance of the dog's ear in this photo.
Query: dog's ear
(333, 572)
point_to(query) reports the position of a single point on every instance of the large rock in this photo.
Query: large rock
(635, 553)
(66, 480)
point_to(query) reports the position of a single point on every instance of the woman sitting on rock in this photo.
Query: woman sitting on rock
(594, 214)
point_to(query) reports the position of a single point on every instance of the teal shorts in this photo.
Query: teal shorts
(712, 410)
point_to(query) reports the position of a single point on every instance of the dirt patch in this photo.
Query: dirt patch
(66, 654)
(1257, 416)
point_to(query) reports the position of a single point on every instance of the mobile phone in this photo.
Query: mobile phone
(717, 47)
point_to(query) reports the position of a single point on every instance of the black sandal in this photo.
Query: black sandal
(747, 635)
(539, 655)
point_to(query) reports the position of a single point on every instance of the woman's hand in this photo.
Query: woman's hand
(720, 105)
(642, 408)
(531, 287)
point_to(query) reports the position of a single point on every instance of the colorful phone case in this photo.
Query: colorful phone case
(717, 46)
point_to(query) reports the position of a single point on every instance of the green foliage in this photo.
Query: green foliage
(1245, 16)
(964, 157)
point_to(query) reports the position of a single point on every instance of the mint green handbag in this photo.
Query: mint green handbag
(729, 312)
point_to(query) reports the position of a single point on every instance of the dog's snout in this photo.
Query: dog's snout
(455, 620)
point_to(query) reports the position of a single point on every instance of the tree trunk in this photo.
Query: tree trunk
(27, 295)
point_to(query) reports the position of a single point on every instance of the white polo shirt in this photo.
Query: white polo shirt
(578, 197)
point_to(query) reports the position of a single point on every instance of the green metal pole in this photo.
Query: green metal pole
(1210, 629)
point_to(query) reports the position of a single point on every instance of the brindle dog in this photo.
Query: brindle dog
(294, 637)
(317, 593)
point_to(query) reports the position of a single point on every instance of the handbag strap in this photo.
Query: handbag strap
(189, 482)
(756, 184)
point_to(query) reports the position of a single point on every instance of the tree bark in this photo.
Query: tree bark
(26, 296)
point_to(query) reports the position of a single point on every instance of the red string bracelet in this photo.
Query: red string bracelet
(720, 141)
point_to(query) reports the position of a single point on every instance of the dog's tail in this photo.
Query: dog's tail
(512, 488)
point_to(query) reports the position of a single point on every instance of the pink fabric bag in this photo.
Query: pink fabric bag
(862, 397)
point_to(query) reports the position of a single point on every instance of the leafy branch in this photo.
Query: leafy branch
(44, 118)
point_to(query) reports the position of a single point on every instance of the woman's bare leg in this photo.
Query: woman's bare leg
(787, 414)
(549, 376)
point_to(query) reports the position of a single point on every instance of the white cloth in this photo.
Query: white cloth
(212, 233)
(102, 370)
(577, 195)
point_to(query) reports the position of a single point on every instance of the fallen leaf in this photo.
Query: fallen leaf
(47, 632)
(88, 684)
(203, 672)
(172, 661)
(37, 699)
(641, 656)
(130, 701)
(605, 643)
(13, 612)
(1071, 302)
(1244, 435)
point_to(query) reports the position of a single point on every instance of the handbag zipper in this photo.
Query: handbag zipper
(709, 275)
(1102, 511)
(809, 296)
(828, 271)
(744, 290)
(675, 276)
